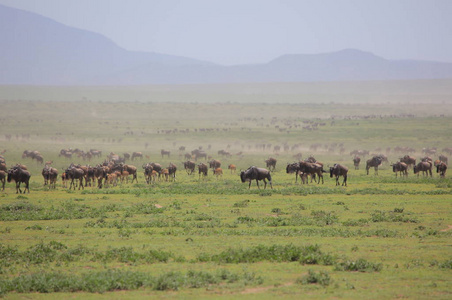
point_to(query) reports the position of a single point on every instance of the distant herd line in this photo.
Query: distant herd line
(114, 169)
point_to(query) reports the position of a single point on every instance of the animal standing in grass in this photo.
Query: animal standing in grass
(255, 173)
(19, 175)
(339, 170)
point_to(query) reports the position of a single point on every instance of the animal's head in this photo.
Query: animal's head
(242, 176)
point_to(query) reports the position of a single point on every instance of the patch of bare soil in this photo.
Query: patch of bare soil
(262, 289)
(449, 227)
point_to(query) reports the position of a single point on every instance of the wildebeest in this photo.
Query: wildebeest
(339, 170)
(202, 170)
(295, 168)
(172, 171)
(441, 168)
(401, 168)
(199, 154)
(165, 152)
(255, 173)
(3, 179)
(214, 163)
(443, 158)
(132, 170)
(425, 167)
(19, 175)
(189, 166)
(409, 160)
(73, 173)
(312, 169)
(50, 176)
(356, 161)
(373, 162)
(271, 163)
(136, 155)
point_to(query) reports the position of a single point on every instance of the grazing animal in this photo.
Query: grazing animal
(189, 166)
(271, 163)
(312, 169)
(19, 175)
(172, 171)
(50, 176)
(441, 168)
(165, 152)
(401, 168)
(255, 173)
(199, 154)
(132, 170)
(165, 173)
(233, 168)
(443, 158)
(202, 170)
(339, 170)
(213, 164)
(373, 162)
(73, 173)
(356, 161)
(295, 168)
(425, 167)
(3, 167)
(137, 155)
(409, 160)
(3, 175)
(218, 172)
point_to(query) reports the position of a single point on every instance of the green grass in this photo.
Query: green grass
(380, 237)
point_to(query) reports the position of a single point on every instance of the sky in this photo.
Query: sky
(233, 32)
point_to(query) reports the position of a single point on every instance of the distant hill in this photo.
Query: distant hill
(39, 51)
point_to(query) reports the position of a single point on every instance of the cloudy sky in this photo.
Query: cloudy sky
(255, 31)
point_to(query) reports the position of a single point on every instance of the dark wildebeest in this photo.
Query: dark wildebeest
(214, 163)
(271, 163)
(19, 175)
(373, 162)
(312, 169)
(172, 171)
(165, 152)
(295, 168)
(198, 154)
(137, 154)
(132, 171)
(401, 168)
(73, 173)
(149, 168)
(126, 156)
(441, 168)
(99, 173)
(339, 170)
(425, 167)
(189, 166)
(443, 158)
(255, 173)
(3, 175)
(3, 167)
(202, 170)
(409, 160)
(50, 176)
(356, 161)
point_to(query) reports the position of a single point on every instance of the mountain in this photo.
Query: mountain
(39, 51)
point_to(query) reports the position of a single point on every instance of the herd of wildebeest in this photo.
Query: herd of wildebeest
(116, 169)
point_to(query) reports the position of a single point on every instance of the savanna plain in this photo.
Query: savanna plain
(379, 237)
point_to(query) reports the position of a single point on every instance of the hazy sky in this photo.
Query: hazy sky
(254, 31)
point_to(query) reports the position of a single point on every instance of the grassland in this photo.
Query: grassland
(381, 237)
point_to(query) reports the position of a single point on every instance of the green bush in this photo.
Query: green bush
(322, 278)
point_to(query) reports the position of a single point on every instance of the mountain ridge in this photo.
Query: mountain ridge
(37, 50)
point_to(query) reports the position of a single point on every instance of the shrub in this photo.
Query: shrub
(322, 278)
(360, 265)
